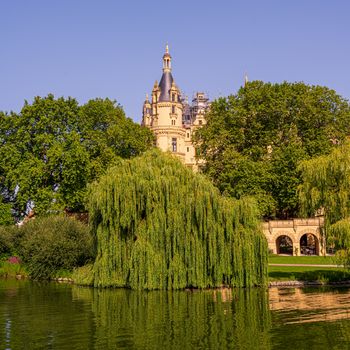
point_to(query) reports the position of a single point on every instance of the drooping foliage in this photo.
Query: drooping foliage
(54, 147)
(254, 140)
(326, 187)
(158, 225)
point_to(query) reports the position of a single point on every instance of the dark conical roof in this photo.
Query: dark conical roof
(165, 86)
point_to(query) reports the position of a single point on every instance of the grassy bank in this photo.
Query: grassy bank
(310, 260)
(306, 273)
(9, 270)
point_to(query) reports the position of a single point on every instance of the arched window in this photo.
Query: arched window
(174, 144)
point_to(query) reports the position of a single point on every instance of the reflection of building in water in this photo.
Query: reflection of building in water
(172, 119)
(224, 294)
(325, 306)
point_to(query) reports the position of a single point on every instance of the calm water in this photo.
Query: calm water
(55, 316)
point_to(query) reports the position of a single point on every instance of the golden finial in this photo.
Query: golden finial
(146, 97)
(166, 48)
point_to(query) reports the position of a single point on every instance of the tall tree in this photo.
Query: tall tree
(254, 140)
(54, 147)
(157, 225)
(326, 187)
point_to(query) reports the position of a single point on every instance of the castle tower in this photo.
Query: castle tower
(163, 114)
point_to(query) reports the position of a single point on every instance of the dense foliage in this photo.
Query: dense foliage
(326, 186)
(7, 240)
(6, 217)
(158, 225)
(254, 140)
(50, 244)
(54, 147)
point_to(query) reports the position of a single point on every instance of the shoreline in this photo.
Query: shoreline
(296, 283)
(272, 284)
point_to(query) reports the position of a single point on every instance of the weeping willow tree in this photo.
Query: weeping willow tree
(326, 186)
(158, 225)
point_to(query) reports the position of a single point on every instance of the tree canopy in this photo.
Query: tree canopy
(254, 140)
(326, 187)
(157, 225)
(54, 147)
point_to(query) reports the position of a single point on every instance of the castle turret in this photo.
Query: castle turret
(164, 116)
(147, 110)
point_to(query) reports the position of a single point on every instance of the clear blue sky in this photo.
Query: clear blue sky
(105, 48)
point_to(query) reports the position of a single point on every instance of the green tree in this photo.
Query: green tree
(54, 147)
(51, 243)
(6, 217)
(254, 140)
(326, 187)
(157, 225)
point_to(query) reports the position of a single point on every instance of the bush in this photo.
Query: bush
(50, 244)
(6, 217)
(7, 240)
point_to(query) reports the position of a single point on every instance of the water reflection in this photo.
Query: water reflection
(42, 316)
(310, 305)
(179, 320)
(53, 316)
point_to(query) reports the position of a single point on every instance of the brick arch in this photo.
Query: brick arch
(277, 243)
(290, 234)
(315, 232)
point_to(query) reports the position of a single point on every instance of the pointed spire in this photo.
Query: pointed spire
(167, 48)
(245, 79)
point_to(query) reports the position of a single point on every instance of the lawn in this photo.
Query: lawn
(312, 260)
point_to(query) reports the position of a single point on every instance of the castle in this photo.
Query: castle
(172, 119)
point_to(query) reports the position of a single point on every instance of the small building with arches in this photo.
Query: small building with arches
(296, 236)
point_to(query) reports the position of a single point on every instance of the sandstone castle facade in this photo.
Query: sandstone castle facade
(172, 119)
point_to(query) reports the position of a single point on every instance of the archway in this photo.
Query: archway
(309, 244)
(284, 245)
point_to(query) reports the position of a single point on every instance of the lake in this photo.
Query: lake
(38, 315)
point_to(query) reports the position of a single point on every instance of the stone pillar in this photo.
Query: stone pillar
(272, 247)
(296, 249)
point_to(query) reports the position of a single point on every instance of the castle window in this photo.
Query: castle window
(172, 109)
(173, 97)
(200, 122)
(188, 149)
(188, 135)
(173, 122)
(174, 144)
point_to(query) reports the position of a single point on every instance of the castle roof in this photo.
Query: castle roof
(165, 86)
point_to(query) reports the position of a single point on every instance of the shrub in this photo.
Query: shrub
(7, 240)
(6, 217)
(54, 243)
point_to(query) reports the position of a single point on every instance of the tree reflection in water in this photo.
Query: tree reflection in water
(221, 319)
(52, 316)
